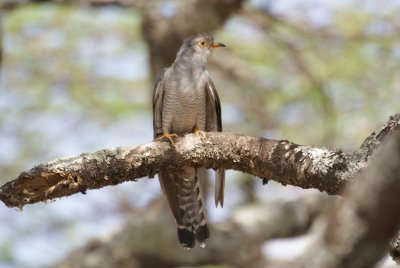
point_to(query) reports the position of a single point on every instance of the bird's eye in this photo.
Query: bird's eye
(202, 43)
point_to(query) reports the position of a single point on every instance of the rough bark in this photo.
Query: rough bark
(279, 160)
(376, 138)
(149, 240)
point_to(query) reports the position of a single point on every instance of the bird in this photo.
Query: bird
(185, 100)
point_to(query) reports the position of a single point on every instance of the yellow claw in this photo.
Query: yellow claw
(200, 133)
(169, 137)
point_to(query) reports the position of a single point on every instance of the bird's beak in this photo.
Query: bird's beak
(215, 45)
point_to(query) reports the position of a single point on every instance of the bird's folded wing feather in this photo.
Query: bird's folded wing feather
(167, 181)
(214, 123)
(158, 96)
(213, 109)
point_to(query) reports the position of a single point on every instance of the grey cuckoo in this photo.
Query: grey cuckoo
(184, 101)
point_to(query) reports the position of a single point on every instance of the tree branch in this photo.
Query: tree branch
(376, 138)
(279, 160)
(283, 161)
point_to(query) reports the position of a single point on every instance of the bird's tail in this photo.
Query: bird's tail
(185, 199)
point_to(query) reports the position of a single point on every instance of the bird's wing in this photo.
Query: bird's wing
(213, 109)
(214, 123)
(166, 179)
(158, 96)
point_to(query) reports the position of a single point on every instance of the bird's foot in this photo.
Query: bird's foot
(199, 133)
(169, 137)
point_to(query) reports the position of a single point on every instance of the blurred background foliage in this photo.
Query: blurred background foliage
(76, 79)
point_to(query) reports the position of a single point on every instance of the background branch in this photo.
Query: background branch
(153, 224)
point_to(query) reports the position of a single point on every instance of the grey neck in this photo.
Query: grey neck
(186, 65)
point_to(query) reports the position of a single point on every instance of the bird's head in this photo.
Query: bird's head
(198, 48)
